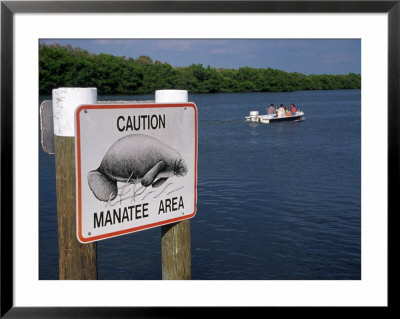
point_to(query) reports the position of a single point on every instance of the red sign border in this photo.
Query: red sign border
(83, 107)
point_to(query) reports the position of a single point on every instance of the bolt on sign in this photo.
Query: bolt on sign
(136, 167)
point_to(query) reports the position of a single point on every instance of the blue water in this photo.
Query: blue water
(279, 201)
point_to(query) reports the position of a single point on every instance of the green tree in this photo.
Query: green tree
(68, 66)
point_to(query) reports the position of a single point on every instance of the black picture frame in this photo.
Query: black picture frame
(9, 8)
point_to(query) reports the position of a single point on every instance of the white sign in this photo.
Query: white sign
(136, 167)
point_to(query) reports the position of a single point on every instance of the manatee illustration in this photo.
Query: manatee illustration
(135, 159)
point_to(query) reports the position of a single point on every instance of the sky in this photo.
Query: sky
(307, 56)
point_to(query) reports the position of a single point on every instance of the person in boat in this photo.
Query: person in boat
(281, 111)
(271, 109)
(293, 109)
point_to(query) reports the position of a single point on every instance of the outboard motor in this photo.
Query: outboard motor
(254, 116)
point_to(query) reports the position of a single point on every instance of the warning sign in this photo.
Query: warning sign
(136, 167)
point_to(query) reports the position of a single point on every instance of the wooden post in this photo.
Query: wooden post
(76, 261)
(175, 238)
(176, 255)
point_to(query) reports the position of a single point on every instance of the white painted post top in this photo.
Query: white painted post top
(171, 96)
(65, 101)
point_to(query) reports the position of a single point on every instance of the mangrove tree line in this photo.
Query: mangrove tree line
(73, 67)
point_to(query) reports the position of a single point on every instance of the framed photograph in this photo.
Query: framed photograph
(305, 227)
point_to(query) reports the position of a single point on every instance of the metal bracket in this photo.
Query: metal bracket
(46, 126)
